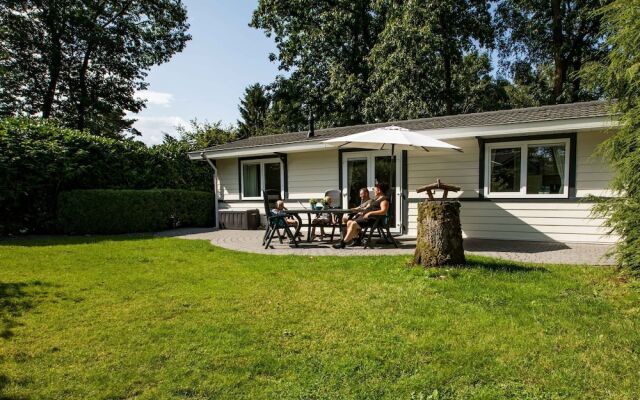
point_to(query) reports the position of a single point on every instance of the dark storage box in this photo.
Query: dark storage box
(245, 220)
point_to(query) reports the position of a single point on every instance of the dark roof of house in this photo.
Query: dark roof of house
(520, 115)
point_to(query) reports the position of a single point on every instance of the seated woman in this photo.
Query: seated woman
(379, 206)
(323, 219)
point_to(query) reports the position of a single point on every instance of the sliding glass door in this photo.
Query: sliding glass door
(365, 170)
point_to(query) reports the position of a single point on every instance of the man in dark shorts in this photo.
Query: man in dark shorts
(379, 207)
(365, 205)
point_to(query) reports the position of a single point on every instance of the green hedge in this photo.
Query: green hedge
(129, 211)
(39, 160)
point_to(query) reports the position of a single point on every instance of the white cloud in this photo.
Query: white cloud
(155, 98)
(154, 128)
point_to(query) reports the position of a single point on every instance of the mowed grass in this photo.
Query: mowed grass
(151, 318)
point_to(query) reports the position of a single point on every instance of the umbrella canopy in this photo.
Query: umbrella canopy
(391, 138)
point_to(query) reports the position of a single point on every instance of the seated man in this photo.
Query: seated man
(379, 207)
(365, 205)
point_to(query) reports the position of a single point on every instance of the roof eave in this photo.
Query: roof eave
(289, 147)
(520, 128)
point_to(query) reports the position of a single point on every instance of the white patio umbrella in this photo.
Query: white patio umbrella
(391, 138)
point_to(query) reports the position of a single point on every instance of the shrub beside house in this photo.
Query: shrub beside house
(40, 160)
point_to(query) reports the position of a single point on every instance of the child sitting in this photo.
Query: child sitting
(279, 211)
(323, 219)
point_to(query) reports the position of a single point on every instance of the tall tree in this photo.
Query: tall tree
(562, 33)
(254, 107)
(324, 45)
(426, 61)
(620, 77)
(81, 61)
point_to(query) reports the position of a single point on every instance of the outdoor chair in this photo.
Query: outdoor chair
(336, 200)
(274, 222)
(336, 197)
(381, 227)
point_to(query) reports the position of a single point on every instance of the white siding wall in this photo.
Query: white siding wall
(228, 185)
(312, 174)
(592, 173)
(534, 220)
(453, 168)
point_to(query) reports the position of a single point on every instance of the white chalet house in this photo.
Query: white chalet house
(524, 173)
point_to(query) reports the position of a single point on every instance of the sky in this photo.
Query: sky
(206, 80)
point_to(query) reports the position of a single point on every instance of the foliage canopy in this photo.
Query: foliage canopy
(83, 61)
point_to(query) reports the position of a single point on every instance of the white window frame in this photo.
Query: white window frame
(524, 151)
(261, 162)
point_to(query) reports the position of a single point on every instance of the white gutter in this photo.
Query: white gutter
(262, 150)
(215, 189)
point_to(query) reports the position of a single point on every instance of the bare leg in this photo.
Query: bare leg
(353, 230)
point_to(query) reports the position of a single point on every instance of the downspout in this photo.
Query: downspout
(215, 189)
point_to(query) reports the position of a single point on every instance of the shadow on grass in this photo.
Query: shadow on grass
(57, 240)
(15, 300)
(498, 265)
(4, 382)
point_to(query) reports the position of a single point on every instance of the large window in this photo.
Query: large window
(259, 175)
(527, 169)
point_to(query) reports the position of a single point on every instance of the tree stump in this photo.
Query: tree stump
(439, 240)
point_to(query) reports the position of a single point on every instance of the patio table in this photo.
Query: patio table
(338, 212)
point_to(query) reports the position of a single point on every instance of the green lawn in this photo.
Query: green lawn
(168, 318)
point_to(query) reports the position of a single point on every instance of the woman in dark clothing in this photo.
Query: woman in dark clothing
(379, 206)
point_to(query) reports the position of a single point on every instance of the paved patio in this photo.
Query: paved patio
(537, 252)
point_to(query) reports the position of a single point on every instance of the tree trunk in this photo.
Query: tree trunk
(447, 57)
(448, 95)
(439, 240)
(55, 61)
(560, 73)
(576, 65)
(84, 96)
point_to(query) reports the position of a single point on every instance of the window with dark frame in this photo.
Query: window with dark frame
(258, 175)
(537, 168)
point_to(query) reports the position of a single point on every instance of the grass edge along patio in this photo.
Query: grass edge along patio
(524, 173)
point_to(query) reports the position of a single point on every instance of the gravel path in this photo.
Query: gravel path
(535, 252)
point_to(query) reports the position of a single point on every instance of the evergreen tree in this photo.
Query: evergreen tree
(287, 112)
(620, 77)
(254, 107)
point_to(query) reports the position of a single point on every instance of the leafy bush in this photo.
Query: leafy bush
(39, 159)
(128, 211)
(620, 79)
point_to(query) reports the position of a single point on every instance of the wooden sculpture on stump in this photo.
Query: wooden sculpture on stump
(439, 240)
